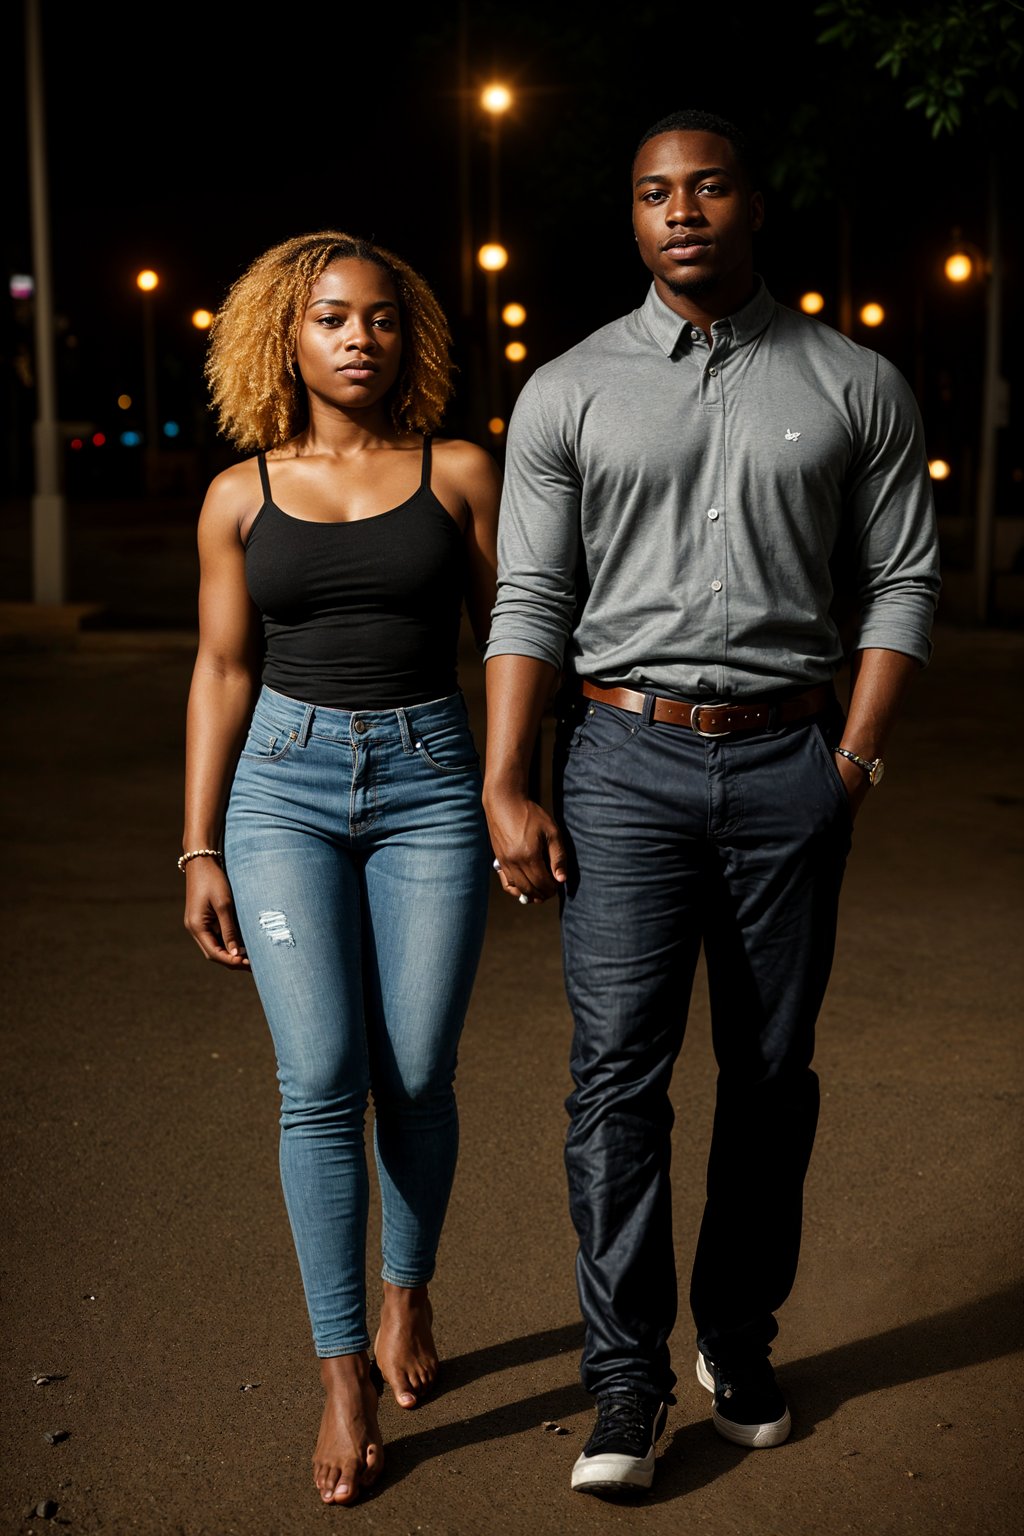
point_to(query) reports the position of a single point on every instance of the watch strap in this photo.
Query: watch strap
(870, 766)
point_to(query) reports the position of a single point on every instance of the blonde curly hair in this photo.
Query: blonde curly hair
(256, 390)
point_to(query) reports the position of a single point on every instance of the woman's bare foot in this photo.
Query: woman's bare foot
(349, 1453)
(404, 1347)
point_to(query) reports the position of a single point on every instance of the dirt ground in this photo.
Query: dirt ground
(152, 1310)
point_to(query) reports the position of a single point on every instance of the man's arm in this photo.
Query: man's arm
(538, 534)
(879, 680)
(526, 842)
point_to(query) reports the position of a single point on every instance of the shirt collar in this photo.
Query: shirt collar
(669, 329)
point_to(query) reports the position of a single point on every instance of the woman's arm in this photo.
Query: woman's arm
(470, 479)
(225, 681)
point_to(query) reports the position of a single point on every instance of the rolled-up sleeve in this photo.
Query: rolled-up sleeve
(892, 520)
(538, 536)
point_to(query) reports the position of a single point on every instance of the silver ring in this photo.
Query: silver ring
(524, 901)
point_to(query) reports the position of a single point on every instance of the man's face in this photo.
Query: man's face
(694, 217)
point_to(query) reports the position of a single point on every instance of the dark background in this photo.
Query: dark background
(192, 137)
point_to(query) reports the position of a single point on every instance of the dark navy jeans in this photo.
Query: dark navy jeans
(737, 844)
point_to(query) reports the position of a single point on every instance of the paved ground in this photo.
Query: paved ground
(148, 1274)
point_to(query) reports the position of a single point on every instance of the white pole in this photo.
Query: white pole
(48, 561)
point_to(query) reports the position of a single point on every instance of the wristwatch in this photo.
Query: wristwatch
(872, 766)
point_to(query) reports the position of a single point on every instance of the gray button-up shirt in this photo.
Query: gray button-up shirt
(670, 511)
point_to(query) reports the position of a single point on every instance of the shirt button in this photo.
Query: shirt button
(695, 335)
(712, 513)
(716, 586)
(359, 726)
(712, 371)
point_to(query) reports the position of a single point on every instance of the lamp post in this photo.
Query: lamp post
(48, 508)
(495, 99)
(965, 266)
(493, 258)
(147, 281)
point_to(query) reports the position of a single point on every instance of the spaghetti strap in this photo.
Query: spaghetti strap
(425, 477)
(261, 460)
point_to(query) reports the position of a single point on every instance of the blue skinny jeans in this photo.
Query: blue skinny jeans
(736, 846)
(359, 862)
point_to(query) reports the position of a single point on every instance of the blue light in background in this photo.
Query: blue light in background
(130, 439)
(171, 429)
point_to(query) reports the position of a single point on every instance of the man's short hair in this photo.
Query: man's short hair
(694, 120)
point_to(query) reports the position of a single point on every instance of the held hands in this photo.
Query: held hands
(529, 854)
(210, 914)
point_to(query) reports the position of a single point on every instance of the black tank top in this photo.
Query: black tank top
(359, 615)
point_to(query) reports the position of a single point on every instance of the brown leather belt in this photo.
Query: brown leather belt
(718, 719)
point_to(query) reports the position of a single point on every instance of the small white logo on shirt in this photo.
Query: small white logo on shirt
(791, 437)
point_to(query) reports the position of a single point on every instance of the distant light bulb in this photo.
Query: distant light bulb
(872, 314)
(939, 469)
(812, 303)
(492, 257)
(496, 98)
(959, 267)
(147, 280)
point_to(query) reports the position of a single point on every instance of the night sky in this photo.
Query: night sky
(191, 138)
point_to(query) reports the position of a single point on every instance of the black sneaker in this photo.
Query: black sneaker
(749, 1409)
(619, 1456)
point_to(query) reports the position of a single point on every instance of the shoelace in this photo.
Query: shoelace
(623, 1411)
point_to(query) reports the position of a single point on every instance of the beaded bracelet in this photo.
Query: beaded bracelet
(199, 853)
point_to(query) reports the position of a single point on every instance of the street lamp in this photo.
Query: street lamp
(964, 266)
(147, 281)
(495, 99)
(493, 258)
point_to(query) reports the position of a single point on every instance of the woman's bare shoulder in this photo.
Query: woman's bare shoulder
(466, 462)
(458, 450)
(233, 494)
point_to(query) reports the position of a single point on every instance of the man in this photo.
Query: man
(685, 490)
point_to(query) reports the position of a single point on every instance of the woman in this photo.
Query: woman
(334, 840)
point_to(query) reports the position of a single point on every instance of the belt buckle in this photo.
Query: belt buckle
(695, 725)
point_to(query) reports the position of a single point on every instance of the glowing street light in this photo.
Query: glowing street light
(492, 256)
(515, 351)
(872, 315)
(959, 267)
(513, 314)
(964, 262)
(202, 319)
(495, 98)
(939, 469)
(812, 303)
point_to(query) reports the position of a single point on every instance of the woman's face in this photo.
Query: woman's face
(350, 343)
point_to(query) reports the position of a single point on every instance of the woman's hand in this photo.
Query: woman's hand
(210, 914)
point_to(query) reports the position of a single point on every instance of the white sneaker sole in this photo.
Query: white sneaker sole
(612, 1472)
(755, 1437)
